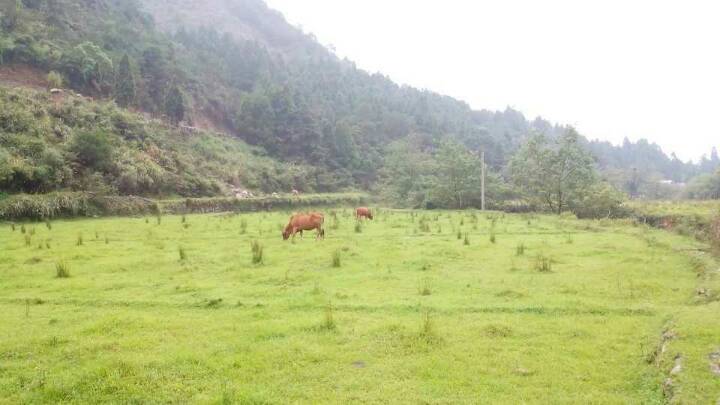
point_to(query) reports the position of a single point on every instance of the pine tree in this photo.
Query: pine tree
(125, 83)
(175, 105)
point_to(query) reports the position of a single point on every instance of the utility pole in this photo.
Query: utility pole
(482, 180)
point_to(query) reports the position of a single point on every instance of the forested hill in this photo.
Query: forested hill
(237, 66)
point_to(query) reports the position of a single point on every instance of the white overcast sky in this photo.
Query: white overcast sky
(613, 69)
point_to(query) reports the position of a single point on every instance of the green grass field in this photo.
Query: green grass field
(414, 307)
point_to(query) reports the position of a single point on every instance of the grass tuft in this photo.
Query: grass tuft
(62, 270)
(79, 241)
(543, 264)
(329, 319)
(182, 253)
(520, 249)
(336, 259)
(358, 227)
(257, 252)
(466, 242)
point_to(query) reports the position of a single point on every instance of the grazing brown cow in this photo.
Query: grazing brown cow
(305, 222)
(363, 212)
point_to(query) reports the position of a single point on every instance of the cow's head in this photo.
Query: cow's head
(286, 232)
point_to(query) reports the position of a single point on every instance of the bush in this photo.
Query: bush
(55, 80)
(602, 201)
(93, 149)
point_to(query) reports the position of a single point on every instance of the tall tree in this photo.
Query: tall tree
(175, 105)
(458, 175)
(125, 83)
(10, 9)
(555, 173)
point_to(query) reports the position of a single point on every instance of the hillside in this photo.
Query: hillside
(72, 143)
(236, 66)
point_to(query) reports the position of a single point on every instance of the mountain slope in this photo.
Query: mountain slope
(238, 66)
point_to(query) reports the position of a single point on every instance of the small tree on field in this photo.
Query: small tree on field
(556, 173)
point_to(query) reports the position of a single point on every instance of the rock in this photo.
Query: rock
(56, 91)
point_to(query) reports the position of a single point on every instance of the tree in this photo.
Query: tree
(125, 83)
(175, 105)
(407, 173)
(556, 173)
(156, 76)
(88, 65)
(458, 175)
(10, 9)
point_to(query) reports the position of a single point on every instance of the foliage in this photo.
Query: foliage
(556, 173)
(704, 187)
(125, 87)
(55, 80)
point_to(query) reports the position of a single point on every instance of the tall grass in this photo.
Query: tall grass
(62, 270)
(257, 252)
(543, 264)
(329, 319)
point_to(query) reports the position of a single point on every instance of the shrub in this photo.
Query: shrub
(62, 270)
(55, 80)
(257, 252)
(93, 149)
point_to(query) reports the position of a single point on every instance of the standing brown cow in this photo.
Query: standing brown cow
(305, 222)
(363, 212)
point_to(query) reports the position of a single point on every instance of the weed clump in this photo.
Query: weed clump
(466, 242)
(336, 259)
(257, 252)
(520, 249)
(492, 237)
(329, 319)
(28, 240)
(358, 227)
(182, 253)
(428, 333)
(424, 288)
(243, 226)
(22, 229)
(79, 241)
(62, 270)
(543, 264)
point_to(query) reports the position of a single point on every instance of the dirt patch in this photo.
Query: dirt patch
(23, 76)
(715, 362)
